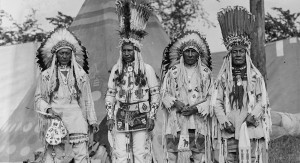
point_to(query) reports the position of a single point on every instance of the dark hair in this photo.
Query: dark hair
(78, 92)
(76, 86)
(130, 43)
(57, 82)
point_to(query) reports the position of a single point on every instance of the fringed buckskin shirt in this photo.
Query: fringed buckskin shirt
(237, 115)
(195, 90)
(76, 115)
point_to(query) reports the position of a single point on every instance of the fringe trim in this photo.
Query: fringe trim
(225, 73)
(44, 123)
(48, 83)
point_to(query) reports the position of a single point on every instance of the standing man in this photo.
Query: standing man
(186, 98)
(63, 98)
(240, 99)
(132, 97)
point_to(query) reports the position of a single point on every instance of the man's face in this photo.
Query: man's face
(64, 56)
(238, 55)
(190, 56)
(128, 53)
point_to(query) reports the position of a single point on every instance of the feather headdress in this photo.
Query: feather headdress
(58, 39)
(237, 25)
(181, 42)
(133, 19)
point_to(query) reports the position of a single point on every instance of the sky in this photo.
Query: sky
(49, 8)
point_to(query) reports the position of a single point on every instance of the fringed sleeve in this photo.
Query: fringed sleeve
(110, 98)
(89, 103)
(154, 90)
(219, 107)
(218, 119)
(266, 111)
(168, 90)
(204, 108)
(258, 108)
(168, 98)
(41, 98)
(41, 105)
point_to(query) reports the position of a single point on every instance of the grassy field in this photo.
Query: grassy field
(285, 150)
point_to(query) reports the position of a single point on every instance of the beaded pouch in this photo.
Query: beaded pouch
(56, 132)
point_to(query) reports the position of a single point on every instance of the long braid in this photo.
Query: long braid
(56, 82)
(78, 92)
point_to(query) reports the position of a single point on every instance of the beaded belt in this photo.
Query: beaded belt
(77, 138)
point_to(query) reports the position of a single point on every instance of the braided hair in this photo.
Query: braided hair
(78, 91)
(56, 81)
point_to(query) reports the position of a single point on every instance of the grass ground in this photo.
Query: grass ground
(285, 150)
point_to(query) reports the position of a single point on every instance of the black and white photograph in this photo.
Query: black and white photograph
(150, 81)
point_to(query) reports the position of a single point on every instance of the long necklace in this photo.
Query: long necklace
(64, 73)
(190, 75)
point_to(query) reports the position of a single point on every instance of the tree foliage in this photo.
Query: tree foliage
(282, 26)
(176, 15)
(29, 30)
(61, 20)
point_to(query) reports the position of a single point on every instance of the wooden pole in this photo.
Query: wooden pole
(258, 54)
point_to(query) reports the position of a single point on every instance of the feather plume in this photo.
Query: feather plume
(236, 25)
(173, 52)
(58, 38)
(133, 19)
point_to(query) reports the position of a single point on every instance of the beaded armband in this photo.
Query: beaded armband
(109, 110)
(111, 92)
(153, 111)
(154, 90)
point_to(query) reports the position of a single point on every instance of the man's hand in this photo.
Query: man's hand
(53, 113)
(178, 105)
(150, 124)
(189, 111)
(228, 127)
(250, 120)
(110, 124)
(95, 127)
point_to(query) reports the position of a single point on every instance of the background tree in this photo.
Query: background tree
(16, 33)
(61, 20)
(176, 15)
(282, 26)
(5, 33)
(29, 30)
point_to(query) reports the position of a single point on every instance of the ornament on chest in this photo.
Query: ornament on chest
(239, 80)
(139, 93)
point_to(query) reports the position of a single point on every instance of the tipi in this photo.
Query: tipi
(19, 134)
(96, 26)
